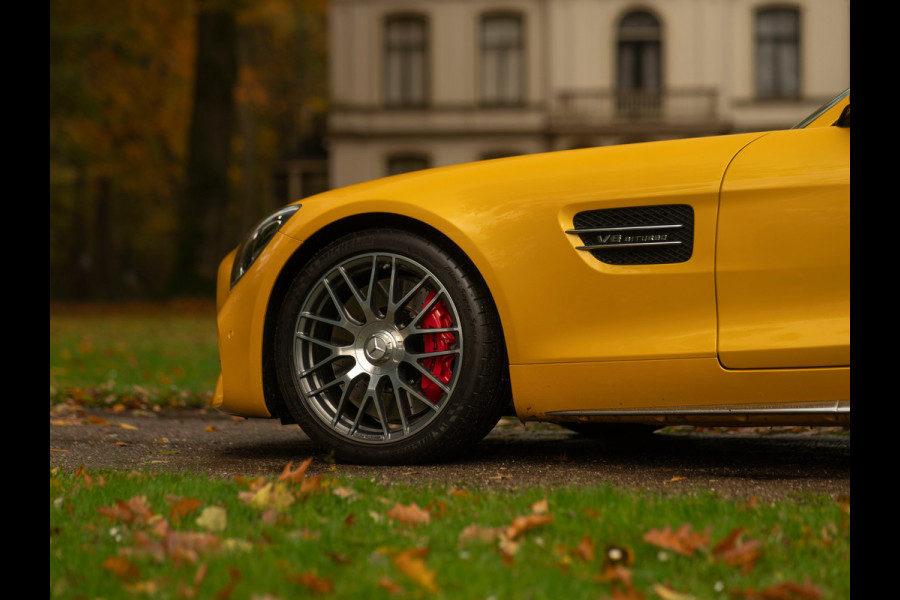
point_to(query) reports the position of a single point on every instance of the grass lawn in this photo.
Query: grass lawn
(137, 535)
(157, 354)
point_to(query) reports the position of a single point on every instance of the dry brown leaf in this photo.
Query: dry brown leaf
(615, 573)
(297, 474)
(477, 533)
(177, 546)
(667, 593)
(272, 495)
(390, 586)
(181, 507)
(585, 549)
(136, 510)
(409, 514)
(738, 553)
(344, 492)
(121, 567)
(522, 524)
(787, 590)
(313, 582)
(411, 564)
(683, 540)
(200, 575)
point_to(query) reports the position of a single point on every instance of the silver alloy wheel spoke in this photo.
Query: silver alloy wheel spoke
(365, 364)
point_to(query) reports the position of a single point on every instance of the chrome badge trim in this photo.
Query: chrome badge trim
(626, 237)
(636, 235)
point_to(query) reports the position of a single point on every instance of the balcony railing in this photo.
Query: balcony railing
(614, 107)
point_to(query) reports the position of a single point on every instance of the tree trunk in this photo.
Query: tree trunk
(201, 243)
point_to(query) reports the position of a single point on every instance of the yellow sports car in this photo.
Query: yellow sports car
(699, 281)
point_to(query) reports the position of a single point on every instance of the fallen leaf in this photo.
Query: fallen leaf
(313, 582)
(390, 586)
(183, 506)
(615, 573)
(522, 524)
(785, 591)
(477, 533)
(127, 426)
(411, 564)
(541, 507)
(683, 540)
(200, 575)
(585, 549)
(121, 567)
(409, 514)
(147, 588)
(234, 577)
(667, 593)
(344, 492)
(135, 510)
(213, 518)
(177, 546)
(738, 553)
(270, 495)
(296, 475)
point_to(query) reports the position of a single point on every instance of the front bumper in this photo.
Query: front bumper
(240, 325)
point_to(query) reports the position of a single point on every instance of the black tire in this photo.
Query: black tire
(358, 364)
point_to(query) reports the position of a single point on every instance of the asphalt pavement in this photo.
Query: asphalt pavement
(765, 464)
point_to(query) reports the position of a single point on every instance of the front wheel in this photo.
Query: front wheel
(389, 351)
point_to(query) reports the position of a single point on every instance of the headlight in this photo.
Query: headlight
(258, 238)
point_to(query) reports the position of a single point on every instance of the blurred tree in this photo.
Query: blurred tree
(281, 96)
(200, 243)
(120, 75)
(121, 81)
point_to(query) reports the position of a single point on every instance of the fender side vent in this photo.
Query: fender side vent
(639, 235)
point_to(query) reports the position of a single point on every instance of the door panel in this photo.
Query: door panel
(783, 252)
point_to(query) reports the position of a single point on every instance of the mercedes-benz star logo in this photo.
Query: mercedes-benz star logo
(378, 347)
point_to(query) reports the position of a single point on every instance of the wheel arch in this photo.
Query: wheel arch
(271, 390)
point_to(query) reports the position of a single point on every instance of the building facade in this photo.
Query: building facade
(424, 83)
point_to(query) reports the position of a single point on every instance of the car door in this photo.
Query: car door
(783, 252)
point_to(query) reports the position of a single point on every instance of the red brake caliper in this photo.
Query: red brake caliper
(439, 366)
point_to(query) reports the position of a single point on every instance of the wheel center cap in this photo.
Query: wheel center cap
(379, 347)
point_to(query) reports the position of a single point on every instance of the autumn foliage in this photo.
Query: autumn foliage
(122, 82)
(186, 547)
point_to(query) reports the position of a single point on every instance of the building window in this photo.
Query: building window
(639, 65)
(640, 52)
(406, 61)
(778, 53)
(502, 59)
(405, 163)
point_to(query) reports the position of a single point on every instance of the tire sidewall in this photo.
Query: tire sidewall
(473, 407)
